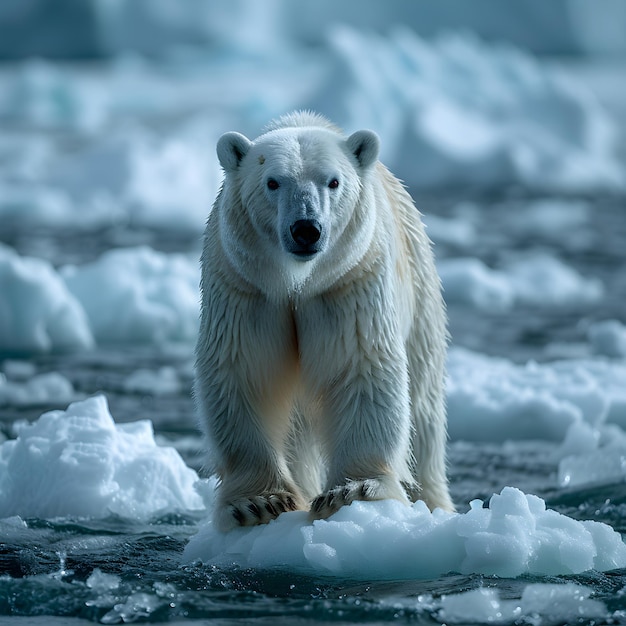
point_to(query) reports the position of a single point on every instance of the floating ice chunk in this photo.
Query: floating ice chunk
(470, 281)
(602, 466)
(37, 312)
(385, 540)
(548, 218)
(138, 295)
(560, 603)
(608, 338)
(493, 399)
(456, 231)
(40, 389)
(79, 463)
(159, 382)
(540, 280)
(543, 280)
(455, 109)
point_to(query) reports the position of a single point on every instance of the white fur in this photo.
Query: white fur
(319, 381)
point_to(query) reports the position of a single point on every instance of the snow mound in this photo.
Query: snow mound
(493, 399)
(457, 110)
(566, 603)
(609, 338)
(79, 463)
(51, 387)
(384, 540)
(539, 280)
(37, 311)
(138, 295)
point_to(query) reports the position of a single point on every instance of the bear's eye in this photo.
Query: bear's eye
(333, 184)
(272, 184)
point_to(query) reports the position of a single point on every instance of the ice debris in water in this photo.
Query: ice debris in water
(561, 603)
(138, 295)
(514, 535)
(47, 388)
(608, 338)
(79, 463)
(539, 280)
(494, 399)
(37, 311)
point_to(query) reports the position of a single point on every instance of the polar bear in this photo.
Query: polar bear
(320, 356)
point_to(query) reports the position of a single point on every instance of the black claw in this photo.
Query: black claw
(363, 490)
(238, 515)
(317, 504)
(254, 509)
(269, 507)
(291, 503)
(345, 493)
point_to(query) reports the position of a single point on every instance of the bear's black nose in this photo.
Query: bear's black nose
(306, 232)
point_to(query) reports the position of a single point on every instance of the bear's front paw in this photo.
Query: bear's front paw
(332, 500)
(256, 509)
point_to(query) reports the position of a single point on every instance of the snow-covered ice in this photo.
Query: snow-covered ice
(51, 387)
(537, 280)
(456, 109)
(138, 295)
(514, 535)
(493, 399)
(452, 111)
(558, 602)
(37, 311)
(79, 463)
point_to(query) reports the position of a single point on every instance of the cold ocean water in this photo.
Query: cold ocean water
(114, 570)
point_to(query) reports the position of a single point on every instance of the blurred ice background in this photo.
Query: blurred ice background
(507, 122)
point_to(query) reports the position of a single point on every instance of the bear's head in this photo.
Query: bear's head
(299, 187)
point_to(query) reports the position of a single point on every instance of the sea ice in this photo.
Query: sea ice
(609, 338)
(538, 280)
(493, 399)
(49, 388)
(79, 463)
(138, 295)
(514, 535)
(560, 603)
(456, 109)
(37, 311)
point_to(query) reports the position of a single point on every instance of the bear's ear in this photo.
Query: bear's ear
(364, 144)
(231, 148)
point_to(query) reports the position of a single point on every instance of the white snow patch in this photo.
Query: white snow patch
(79, 463)
(37, 311)
(455, 109)
(163, 381)
(560, 603)
(608, 338)
(48, 388)
(515, 535)
(493, 399)
(537, 280)
(138, 295)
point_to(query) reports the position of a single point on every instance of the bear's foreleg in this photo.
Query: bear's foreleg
(366, 420)
(244, 384)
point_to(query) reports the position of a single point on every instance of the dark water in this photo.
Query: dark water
(47, 569)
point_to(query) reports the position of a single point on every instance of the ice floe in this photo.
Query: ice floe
(79, 463)
(515, 534)
(38, 313)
